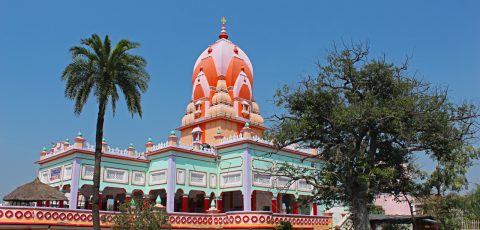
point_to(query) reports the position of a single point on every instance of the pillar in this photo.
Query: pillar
(47, 203)
(184, 203)
(60, 204)
(206, 204)
(171, 181)
(254, 201)
(274, 205)
(72, 201)
(247, 180)
(314, 209)
(219, 204)
(39, 204)
(295, 207)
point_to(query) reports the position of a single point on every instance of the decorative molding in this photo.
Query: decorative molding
(181, 178)
(226, 159)
(67, 168)
(134, 172)
(84, 168)
(213, 178)
(268, 162)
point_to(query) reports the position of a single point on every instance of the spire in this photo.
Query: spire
(223, 33)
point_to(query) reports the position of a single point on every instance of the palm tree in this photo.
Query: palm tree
(98, 70)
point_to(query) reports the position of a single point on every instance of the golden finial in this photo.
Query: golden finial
(223, 33)
(224, 21)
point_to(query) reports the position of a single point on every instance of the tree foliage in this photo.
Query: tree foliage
(368, 119)
(97, 69)
(451, 209)
(140, 216)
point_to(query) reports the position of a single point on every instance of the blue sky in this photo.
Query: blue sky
(283, 40)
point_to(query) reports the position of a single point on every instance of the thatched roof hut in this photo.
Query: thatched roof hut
(35, 191)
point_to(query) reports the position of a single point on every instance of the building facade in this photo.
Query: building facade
(216, 159)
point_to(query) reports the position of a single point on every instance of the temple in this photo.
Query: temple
(210, 172)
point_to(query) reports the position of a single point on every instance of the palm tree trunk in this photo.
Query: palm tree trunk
(98, 160)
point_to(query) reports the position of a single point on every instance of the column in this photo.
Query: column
(314, 208)
(171, 174)
(274, 205)
(206, 204)
(72, 201)
(254, 201)
(295, 207)
(184, 203)
(247, 180)
(219, 204)
(60, 204)
(47, 203)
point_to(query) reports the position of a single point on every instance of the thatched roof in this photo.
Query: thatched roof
(35, 191)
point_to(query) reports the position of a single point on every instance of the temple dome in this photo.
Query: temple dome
(222, 58)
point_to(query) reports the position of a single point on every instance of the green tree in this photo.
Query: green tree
(367, 118)
(284, 225)
(139, 215)
(98, 70)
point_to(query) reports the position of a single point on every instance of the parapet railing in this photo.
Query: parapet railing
(235, 138)
(34, 216)
(61, 148)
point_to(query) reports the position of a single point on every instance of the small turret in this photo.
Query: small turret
(79, 140)
(149, 145)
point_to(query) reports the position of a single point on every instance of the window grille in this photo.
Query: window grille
(116, 175)
(262, 179)
(67, 172)
(158, 177)
(138, 178)
(87, 172)
(198, 178)
(231, 179)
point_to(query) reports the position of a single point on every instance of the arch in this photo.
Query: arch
(162, 193)
(196, 201)
(201, 83)
(242, 80)
(207, 67)
(286, 203)
(244, 92)
(236, 67)
(232, 201)
(112, 198)
(178, 200)
(261, 200)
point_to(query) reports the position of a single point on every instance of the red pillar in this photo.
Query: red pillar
(206, 204)
(274, 205)
(39, 204)
(60, 204)
(219, 204)
(295, 207)
(185, 204)
(254, 201)
(314, 207)
(47, 203)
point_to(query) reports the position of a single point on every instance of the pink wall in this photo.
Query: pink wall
(393, 207)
